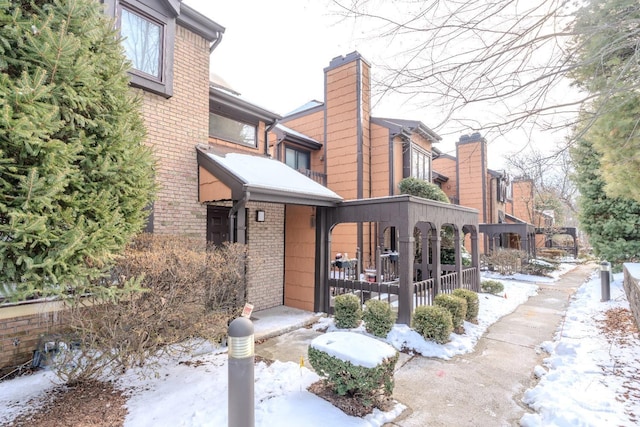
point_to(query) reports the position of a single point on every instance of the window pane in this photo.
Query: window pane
(303, 160)
(290, 158)
(232, 130)
(142, 42)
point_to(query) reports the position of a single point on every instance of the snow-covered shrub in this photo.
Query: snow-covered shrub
(538, 267)
(457, 307)
(347, 311)
(378, 317)
(491, 286)
(367, 384)
(473, 303)
(433, 322)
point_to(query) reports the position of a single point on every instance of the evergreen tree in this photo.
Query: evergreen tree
(75, 175)
(612, 223)
(609, 71)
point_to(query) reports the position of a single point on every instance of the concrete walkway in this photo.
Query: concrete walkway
(483, 388)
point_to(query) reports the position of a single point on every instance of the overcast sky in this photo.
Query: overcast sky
(274, 52)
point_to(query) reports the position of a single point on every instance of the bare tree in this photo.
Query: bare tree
(552, 185)
(510, 56)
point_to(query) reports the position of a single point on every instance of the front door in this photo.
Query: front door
(217, 225)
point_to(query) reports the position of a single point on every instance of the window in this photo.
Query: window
(420, 164)
(297, 159)
(142, 42)
(232, 130)
(148, 32)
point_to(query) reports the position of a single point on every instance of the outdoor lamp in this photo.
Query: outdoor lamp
(241, 373)
(605, 280)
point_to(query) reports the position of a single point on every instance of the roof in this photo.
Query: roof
(398, 126)
(285, 133)
(303, 108)
(232, 104)
(264, 179)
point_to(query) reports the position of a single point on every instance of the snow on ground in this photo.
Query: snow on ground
(585, 376)
(576, 387)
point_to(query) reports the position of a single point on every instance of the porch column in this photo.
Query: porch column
(321, 288)
(435, 251)
(458, 251)
(405, 264)
(475, 260)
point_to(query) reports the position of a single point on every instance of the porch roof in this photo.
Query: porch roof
(262, 179)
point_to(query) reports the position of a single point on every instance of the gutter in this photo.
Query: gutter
(216, 42)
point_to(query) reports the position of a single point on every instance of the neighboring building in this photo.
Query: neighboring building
(228, 172)
(507, 215)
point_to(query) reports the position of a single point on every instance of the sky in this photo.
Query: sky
(274, 54)
(577, 385)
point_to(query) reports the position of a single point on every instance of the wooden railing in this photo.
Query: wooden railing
(470, 279)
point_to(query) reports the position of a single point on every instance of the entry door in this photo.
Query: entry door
(217, 225)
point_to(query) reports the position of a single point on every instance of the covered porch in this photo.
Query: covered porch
(520, 236)
(410, 276)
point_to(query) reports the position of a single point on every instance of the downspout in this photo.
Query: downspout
(266, 138)
(216, 42)
(234, 209)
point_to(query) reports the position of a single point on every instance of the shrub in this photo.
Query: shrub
(183, 291)
(473, 303)
(506, 261)
(457, 307)
(491, 286)
(538, 267)
(366, 384)
(378, 318)
(347, 311)
(433, 322)
(421, 188)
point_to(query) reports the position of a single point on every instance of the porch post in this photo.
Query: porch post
(458, 251)
(321, 288)
(475, 259)
(405, 264)
(437, 267)
(241, 218)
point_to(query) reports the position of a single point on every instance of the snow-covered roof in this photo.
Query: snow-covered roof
(265, 179)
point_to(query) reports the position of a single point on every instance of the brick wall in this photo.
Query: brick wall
(174, 127)
(22, 326)
(265, 269)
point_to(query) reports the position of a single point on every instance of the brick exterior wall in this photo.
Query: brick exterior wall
(471, 171)
(174, 127)
(21, 328)
(265, 269)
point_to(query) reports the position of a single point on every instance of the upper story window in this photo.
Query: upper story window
(297, 159)
(148, 32)
(142, 42)
(232, 130)
(420, 164)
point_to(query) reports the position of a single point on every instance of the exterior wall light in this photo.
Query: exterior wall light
(260, 216)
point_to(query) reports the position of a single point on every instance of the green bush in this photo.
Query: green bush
(473, 303)
(368, 385)
(491, 286)
(457, 307)
(378, 317)
(433, 322)
(347, 311)
(421, 188)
